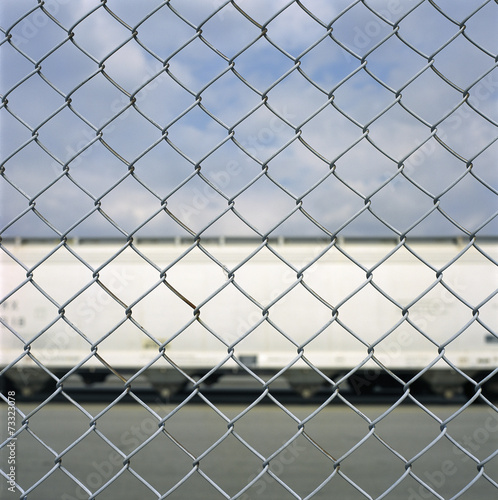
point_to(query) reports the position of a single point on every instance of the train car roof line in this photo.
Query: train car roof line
(233, 240)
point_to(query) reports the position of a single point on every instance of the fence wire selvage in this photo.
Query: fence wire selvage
(264, 236)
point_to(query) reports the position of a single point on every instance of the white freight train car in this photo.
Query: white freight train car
(167, 309)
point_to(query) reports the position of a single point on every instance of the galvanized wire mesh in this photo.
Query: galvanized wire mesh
(200, 119)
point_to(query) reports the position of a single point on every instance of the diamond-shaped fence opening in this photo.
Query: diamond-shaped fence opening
(208, 207)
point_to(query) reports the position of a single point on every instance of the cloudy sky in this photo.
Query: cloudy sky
(248, 118)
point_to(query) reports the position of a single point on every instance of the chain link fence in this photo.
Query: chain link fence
(283, 194)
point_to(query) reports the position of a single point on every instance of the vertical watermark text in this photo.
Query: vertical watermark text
(11, 430)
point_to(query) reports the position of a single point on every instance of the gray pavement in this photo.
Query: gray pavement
(166, 459)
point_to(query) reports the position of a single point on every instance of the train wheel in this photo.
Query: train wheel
(7, 385)
(490, 392)
(306, 391)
